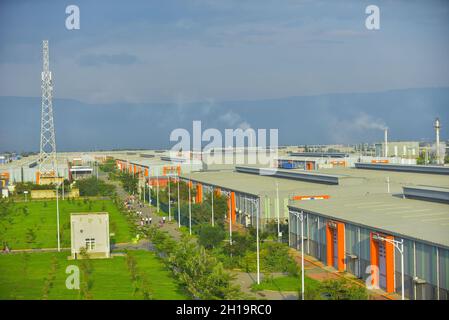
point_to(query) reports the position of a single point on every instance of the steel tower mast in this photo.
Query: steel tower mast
(47, 155)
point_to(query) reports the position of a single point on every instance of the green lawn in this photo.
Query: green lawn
(23, 276)
(286, 283)
(33, 224)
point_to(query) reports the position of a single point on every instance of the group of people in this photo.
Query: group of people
(131, 202)
(146, 221)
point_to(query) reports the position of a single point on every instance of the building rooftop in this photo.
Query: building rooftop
(422, 220)
(361, 198)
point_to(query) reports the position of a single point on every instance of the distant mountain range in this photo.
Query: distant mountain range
(330, 118)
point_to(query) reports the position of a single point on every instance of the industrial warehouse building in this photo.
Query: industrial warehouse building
(346, 220)
(348, 230)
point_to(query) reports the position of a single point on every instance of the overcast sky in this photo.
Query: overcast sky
(159, 65)
(166, 51)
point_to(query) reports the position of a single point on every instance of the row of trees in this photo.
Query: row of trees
(198, 271)
(20, 187)
(94, 187)
(200, 265)
(129, 182)
(108, 166)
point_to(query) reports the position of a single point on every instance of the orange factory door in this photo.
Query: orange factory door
(335, 245)
(382, 256)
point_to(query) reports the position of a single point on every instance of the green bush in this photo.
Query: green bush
(91, 187)
(210, 237)
(343, 289)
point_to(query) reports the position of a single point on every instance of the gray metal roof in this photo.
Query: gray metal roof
(403, 167)
(361, 198)
(421, 220)
(290, 174)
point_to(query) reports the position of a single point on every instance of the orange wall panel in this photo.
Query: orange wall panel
(199, 193)
(233, 206)
(329, 246)
(389, 262)
(341, 246)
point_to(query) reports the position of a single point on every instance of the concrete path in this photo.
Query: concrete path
(147, 211)
(246, 280)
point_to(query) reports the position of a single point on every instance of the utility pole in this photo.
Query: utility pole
(212, 198)
(190, 207)
(179, 206)
(257, 240)
(57, 216)
(149, 189)
(300, 217)
(278, 209)
(169, 204)
(230, 224)
(157, 193)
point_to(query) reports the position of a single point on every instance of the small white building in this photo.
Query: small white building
(90, 230)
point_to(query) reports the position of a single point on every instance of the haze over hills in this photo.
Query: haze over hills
(322, 119)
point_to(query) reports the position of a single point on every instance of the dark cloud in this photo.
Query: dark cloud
(332, 118)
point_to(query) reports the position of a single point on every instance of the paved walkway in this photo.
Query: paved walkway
(147, 211)
(246, 280)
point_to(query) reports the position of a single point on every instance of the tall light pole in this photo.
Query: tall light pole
(57, 216)
(169, 204)
(400, 246)
(257, 240)
(230, 220)
(190, 207)
(300, 217)
(179, 206)
(212, 198)
(278, 214)
(157, 192)
(256, 204)
(149, 191)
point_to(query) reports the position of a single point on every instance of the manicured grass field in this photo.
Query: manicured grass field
(33, 224)
(24, 276)
(286, 283)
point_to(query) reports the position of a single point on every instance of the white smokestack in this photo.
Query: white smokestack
(386, 142)
(437, 134)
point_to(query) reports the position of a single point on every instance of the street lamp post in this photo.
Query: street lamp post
(212, 208)
(300, 217)
(278, 209)
(179, 206)
(400, 246)
(149, 191)
(228, 195)
(169, 204)
(57, 216)
(190, 207)
(157, 192)
(256, 204)
(257, 239)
